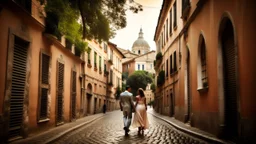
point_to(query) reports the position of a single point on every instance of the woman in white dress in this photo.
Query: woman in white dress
(140, 120)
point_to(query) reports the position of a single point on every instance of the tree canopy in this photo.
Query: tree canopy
(139, 79)
(99, 18)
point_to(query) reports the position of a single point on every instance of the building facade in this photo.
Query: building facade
(205, 67)
(115, 74)
(140, 58)
(40, 76)
(45, 82)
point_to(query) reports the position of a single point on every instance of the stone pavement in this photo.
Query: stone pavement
(188, 129)
(56, 132)
(108, 128)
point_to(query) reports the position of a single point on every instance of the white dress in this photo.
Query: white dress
(140, 116)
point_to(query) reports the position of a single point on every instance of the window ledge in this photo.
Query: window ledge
(202, 89)
(43, 120)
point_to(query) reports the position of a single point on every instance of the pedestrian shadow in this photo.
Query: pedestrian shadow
(131, 138)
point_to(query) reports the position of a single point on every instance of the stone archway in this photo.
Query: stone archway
(228, 80)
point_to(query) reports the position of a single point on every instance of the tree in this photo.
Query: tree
(118, 92)
(99, 18)
(139, 79)
(153, 87)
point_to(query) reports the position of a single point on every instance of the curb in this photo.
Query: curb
(71, 129)
(195, 134)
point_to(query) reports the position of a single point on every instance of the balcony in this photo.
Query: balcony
(95, 67)
(89, 65)
(106, 73)
(159, 58)
(110, 61)
(160, 78)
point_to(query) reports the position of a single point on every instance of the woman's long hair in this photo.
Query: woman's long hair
(141, 92)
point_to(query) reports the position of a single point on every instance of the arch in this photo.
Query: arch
(89, 88)
(89, 99)
(202, 80)
(228, 78)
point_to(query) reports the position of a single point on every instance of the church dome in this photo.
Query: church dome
(140, 44)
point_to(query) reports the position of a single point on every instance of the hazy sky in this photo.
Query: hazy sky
(147, 19)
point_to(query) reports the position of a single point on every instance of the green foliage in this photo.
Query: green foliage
(151, 103)
(153, 87)
(118, 92)
(159, 56)
(161, 78)
(125, 75)
(99, 18)
(139, 79)
(123, 86)
(80, 47)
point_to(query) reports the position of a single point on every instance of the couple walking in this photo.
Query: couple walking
(140, 120)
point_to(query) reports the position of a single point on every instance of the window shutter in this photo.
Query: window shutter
(44, 86)
(59, 96)
(17, 87)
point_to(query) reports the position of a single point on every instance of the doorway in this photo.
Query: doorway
(229, 74)
(188, 117)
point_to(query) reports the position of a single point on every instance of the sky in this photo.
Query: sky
(146, 19)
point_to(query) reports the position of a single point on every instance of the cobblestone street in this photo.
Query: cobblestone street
(109, 129)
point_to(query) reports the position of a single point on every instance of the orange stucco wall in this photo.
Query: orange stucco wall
(22, 23)
(207, 106)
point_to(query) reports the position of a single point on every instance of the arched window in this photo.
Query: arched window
(138, 51)
(202, 65)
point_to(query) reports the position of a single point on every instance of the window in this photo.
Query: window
(111, 77)
(185, 8)
(105, 47)
(105, 67)
(44, 86)
(151, 66)
(89, 56)
(175, 63)
(171, 70)
(111, 55)
(143, 67)
(139, 52)
(164, 35)
(26, 4)
(167, 68)
(202, 68)
(175, 15)
(138, 66)
(162, 41)
(100, 63)
(170, 21)
(166, 30)
(95, 59)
